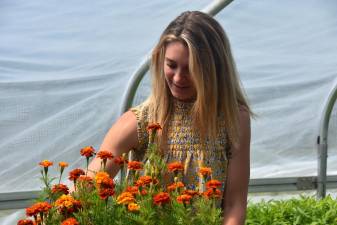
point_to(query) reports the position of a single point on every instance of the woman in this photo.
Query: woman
(197, 98)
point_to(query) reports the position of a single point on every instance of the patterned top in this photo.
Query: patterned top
(184, 145)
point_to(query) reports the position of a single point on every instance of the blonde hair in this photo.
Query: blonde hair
(212, 67)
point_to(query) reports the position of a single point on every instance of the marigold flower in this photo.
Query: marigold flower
(25, 222)
(191, 192)
(45, 163)
(67, 204)
(70, 221)
(39, 207)
(85, 179)
(145, 180)
(213, 184)
(120, 160)
(102, 177)
(60, 188)
(75, 174)
(161, 198)
(212, 193)
(104, 155)
(153, 127)
(205, 171)
(175, 186)
(132, 189)
(63, 164)
(87, 151)
(133, 207)
(135, 165)
(175, 167)
(106, 192)
(126, 198)
(184, 198)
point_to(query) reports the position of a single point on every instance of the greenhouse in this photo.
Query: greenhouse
(69, 69)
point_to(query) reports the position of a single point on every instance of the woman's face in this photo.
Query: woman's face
(176, 71)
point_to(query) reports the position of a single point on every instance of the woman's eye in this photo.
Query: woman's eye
(171, 66)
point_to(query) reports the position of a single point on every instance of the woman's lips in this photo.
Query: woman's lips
(181, 87)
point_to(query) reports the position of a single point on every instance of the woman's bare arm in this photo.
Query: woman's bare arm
(238, 176)
(121, 137)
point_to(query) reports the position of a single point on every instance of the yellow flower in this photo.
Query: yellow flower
(133, 207)
(126, 198)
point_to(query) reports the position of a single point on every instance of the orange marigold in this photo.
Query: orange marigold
(213, 184)
(135, 165)
(205, 171)
(63, 164)
(212, 193)
(70, 221)
(87, 151)
(133, 207)
(39, 207)
(175, 186)
(191, 192)
(75, 174)
(67, 204)
(45, 163)
(132, 189)
(102, 177)
(106, 192)
(145, 180)
(184, 199)
(104, 155)
(161, 198)
(85, 179)
(175, 167)
(125, 198)
(60, 188)
(26, 222)
(153, 127)
(120, 160)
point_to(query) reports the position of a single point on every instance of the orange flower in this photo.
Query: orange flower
(87, 151)
(191, 192)
(63, 164)
(104, 155)
(213, 184)
(212, 193)
(75, 174)
(161, 198)
(26, 222)
(60, 188)
(145, 180)
(175, 186)
(85, 179)
(45, 163)
(135, 165)
(175, 167)
(125, 198)
(120, 160)
(39, 207)
(105, 193)
(205, 171)
(133, 207)
(70, 221)
(67, 204)
(102, 177)
(153, 127)
(184, 199)
(132, 189)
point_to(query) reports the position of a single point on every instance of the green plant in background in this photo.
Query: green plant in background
(302, 211)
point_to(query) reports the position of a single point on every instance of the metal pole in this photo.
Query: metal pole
(322, 142)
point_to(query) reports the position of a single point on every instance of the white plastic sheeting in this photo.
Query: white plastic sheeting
(64, 66)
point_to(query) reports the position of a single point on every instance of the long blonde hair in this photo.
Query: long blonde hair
(213, 70)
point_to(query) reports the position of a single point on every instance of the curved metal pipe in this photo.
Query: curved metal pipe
(322, 142)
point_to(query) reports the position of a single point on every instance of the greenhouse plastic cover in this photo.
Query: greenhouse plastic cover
(64, 66)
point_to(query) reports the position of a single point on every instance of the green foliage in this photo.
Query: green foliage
(305, 210)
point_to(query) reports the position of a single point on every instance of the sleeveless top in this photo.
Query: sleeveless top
(183, 145)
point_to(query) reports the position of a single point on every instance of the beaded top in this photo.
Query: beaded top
(184, 144)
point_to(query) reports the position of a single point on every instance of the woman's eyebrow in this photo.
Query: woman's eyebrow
(170, 60)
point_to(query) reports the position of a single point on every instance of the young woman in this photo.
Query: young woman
(197, 99)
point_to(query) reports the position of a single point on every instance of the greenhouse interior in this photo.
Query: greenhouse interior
(68, 69)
